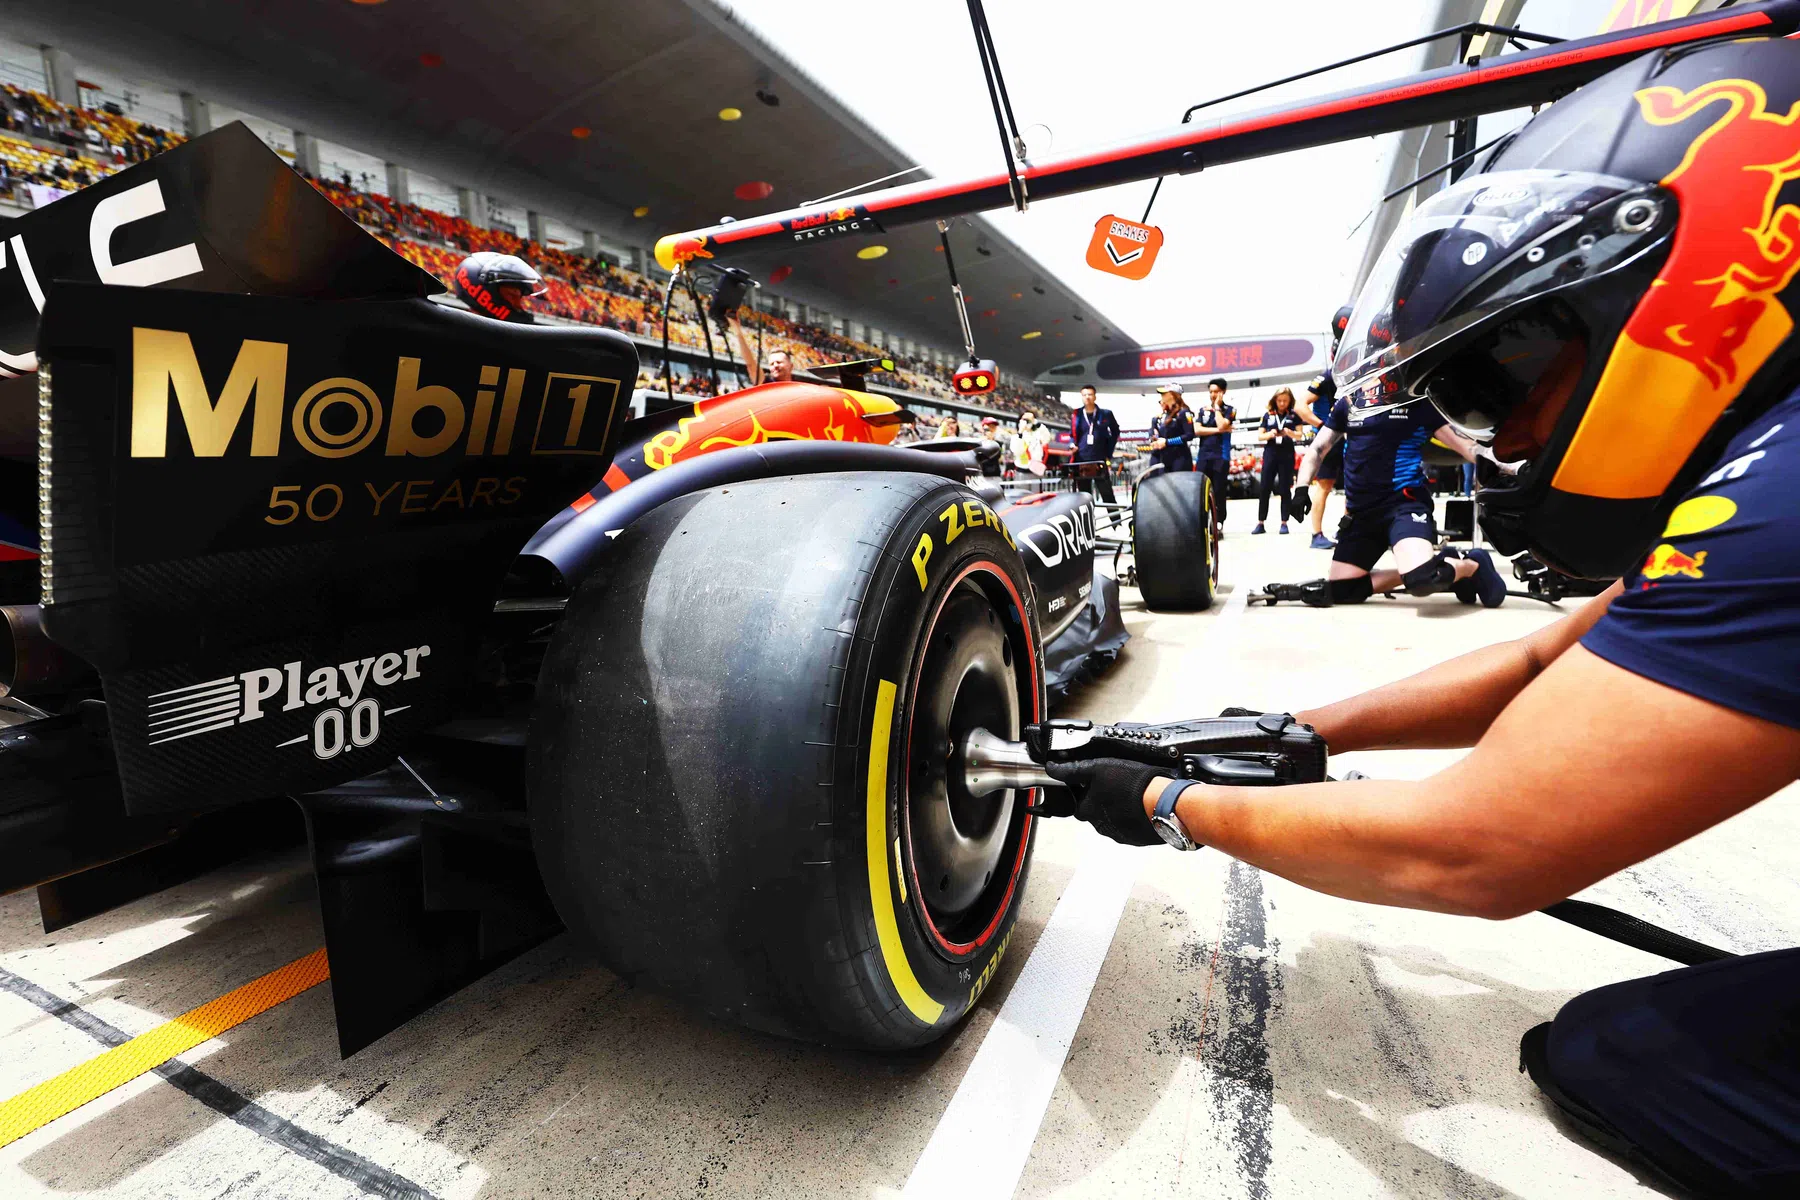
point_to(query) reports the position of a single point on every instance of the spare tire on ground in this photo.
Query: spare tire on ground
(742, 774)
(1172, 542)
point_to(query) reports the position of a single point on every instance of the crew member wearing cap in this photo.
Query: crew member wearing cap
(1538, 307)
(990, 460)
(1172, 433)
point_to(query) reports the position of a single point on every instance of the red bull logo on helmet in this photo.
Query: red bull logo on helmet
(1714, 302)
(1713, 316)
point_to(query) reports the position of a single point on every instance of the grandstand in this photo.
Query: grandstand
(48, 143)
(51, 144)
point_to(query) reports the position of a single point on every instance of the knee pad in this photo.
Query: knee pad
(1431, 577)
(1351, 591)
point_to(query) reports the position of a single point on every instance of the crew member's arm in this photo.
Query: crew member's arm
(1495, 835)
(1452, 440)
(1315, 454)
(1305, 412)
(1452, 704)
(752, 365)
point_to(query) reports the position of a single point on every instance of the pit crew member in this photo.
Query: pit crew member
(1566, 306)
(1095, 431)
(1321, 393)
(1172, 433)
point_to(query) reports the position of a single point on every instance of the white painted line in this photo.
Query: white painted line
(984, 1138)
(980, 1146)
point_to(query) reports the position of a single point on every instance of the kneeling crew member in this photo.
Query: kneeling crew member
(1387, 502)
(1667, 704)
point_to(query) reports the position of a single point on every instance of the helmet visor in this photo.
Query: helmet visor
(1476, 249)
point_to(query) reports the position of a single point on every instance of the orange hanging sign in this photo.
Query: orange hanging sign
(1122, 247)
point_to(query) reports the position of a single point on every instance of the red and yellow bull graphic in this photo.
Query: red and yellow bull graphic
(1713, 314)
(1666, 562)
(786, 411)
(1690, 517)
(680, 249)
(1630, 14)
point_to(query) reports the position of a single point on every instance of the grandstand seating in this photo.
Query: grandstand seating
(43, 141)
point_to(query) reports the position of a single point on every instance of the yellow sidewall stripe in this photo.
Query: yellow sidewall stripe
(38, 1106)
(881, 894)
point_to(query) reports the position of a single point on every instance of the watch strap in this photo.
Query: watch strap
(1165, 803)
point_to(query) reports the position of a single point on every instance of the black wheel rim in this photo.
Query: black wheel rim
(961, 844)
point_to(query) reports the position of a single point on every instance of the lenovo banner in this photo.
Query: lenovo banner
(1207, 358)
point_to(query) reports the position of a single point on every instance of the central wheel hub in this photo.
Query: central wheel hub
(967, 682)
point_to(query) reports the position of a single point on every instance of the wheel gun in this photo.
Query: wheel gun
(1241, 748)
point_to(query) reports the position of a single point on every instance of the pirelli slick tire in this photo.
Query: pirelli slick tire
(1173, 542)
(742, 767)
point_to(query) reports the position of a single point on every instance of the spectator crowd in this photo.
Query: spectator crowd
(83, 144)
(49, 143)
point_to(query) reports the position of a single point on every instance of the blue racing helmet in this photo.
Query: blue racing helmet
(497, 285)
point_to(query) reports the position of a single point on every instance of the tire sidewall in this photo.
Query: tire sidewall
(948, 539)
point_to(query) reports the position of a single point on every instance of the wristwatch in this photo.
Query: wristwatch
(1168, 826)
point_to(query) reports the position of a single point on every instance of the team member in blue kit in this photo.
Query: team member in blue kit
(1171, 444)
(1566, 309)
(1212, 444)
(1321, 394)
(1387, 500)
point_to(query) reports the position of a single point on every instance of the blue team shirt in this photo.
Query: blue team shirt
(1178, 430)
(1714, 611)
(1286, 423)
(1208, 448)
(1324, 390)
(1384, 452)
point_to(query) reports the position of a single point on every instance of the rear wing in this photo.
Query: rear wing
(275, 525)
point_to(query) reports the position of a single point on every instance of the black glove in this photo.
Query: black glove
(1300, 503)
(1107, 793)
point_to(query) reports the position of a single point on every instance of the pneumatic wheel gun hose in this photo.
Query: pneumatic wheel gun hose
(1242, 749)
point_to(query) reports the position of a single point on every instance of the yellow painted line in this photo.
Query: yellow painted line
(881, 896)
(37, 1106)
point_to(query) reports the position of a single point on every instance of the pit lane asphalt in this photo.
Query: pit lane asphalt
(1245, 1037)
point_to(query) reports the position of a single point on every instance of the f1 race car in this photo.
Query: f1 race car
(280, 526)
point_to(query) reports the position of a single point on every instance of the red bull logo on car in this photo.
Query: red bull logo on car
(680, 249)
(773, 412)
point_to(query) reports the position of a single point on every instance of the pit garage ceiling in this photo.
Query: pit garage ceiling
(485, 94)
